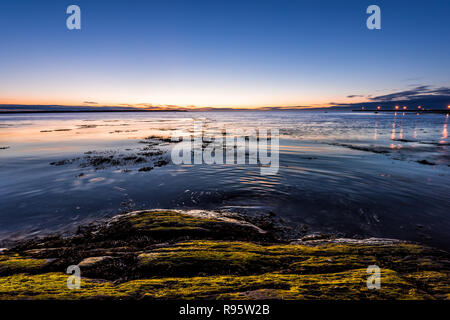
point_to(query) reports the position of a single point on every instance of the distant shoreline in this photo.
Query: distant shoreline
(85, 111)
(415, 111)
(326, 110)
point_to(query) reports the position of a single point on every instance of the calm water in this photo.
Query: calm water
(349, 173)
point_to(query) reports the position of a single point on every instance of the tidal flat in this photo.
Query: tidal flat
(355, 175)
(84, 190)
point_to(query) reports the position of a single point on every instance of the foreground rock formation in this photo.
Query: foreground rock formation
(162, 254)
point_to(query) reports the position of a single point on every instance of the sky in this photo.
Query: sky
(221, 53)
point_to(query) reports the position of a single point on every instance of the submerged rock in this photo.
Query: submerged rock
(154, 152)
(426, 162)
(145, 169)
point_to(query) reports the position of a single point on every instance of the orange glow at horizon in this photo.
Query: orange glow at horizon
(149, 105)
(163, 97)
(246, 104)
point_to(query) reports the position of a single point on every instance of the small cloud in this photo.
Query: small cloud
(413, 79)
(144, 104)
(172, 106)
(90, 102)
(355, 96)
(422, 90)
(425, 95)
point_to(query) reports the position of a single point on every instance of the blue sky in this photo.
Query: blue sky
(220, 53)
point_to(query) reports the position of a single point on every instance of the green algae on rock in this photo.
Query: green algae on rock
(343, 285)
(14, 263)
(174, 254)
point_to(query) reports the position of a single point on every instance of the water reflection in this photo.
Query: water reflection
(401, 128)
(415, 129)
(444, 130)
(375, 130)
(393, 127)
(339, 172)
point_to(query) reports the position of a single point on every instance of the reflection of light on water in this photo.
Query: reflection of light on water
(393, 129)
(444, 130)
(400, 136)
(376, 130)
(415, 130)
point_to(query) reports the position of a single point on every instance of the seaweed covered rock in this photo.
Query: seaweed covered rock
(172, 254)
(15, 263)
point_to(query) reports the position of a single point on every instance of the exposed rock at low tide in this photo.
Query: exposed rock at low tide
(151, 153)
(175, 254)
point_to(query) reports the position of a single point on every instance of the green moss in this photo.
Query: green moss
(344, 285)
(53, 286)
(212, 257)
(201, 257)
(158, 220)
(163, 225)
(432, 281)
(322, 264)
(15, 263)
(349, 285)
(256, 267)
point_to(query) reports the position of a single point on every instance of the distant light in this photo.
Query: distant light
(378, 108)
(419, 107)
(448, 107)
(396, 107)
(362, 108)
(404, 108)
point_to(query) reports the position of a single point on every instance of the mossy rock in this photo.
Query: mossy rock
(14, 263)
(207, 257)
(172, 224)
(143, 228)
(167, 254)
(344, 285)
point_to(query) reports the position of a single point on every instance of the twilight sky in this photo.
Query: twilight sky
(233, 53)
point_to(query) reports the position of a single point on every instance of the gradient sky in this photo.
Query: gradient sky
(219, 53)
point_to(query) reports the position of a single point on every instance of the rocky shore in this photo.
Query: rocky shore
(174, 254)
